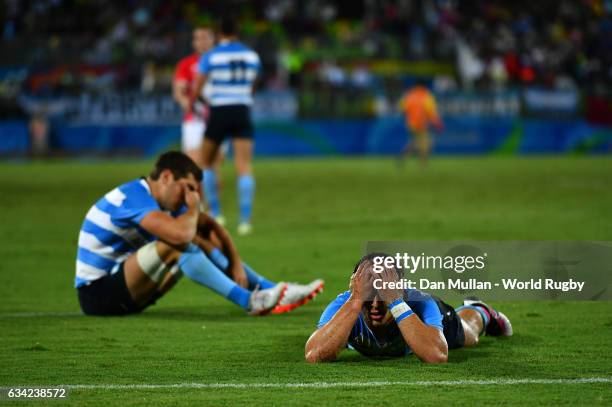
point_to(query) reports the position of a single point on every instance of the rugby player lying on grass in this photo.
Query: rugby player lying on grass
(395, 322)
(137, 241)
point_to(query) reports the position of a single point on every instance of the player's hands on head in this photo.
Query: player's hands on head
(388, 295)
(192, 197)
(362, 282)
(200, 191)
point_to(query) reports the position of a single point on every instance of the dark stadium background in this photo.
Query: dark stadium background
(510, 76)
(524, 89)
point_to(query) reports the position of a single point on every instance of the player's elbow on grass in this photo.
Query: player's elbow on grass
(435, 358)
(435, 355)
(315, 356)
(314, 351)
(311, 357)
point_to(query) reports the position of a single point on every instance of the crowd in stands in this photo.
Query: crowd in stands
(71, 46)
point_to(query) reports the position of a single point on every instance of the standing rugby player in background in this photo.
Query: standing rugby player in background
(229, 70)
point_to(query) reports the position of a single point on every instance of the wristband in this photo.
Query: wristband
(394, 303)
(400, 310)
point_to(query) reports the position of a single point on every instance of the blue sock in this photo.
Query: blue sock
(246, 191)
(209, 183)
(254, 279)
(199, 268)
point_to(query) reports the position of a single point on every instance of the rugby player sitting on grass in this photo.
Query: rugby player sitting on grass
(395, 322)
(137, 241)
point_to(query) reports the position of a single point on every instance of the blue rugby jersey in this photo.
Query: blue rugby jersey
(111, 230)
(363, 340)
(231, 69)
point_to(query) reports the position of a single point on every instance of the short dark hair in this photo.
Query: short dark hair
(178, 163)
(228, 25)
(203, 27)
(371, 256)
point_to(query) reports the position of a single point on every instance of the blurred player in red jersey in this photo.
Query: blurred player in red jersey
(194, 120)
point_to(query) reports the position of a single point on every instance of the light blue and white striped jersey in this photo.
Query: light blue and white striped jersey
(111, 230)
(231, 69)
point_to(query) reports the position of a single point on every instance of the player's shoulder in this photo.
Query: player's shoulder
(188, 60)
(236, 47)
(339, 300)
(342, 297)
(138, 184)
(425, 93)
(242, 46)
(250, 51)
(182, 64)
(136, 192)
(185, 67)
(333, 307)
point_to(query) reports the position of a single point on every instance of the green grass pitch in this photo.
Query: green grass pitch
(312, 218)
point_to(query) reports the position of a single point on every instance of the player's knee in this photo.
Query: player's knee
(471, 339)
(471, 333)
(156, 259)
(243, 168)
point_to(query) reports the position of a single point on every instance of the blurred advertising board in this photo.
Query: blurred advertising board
(551, 103)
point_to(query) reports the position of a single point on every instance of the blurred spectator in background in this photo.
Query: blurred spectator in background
(419, 107)
(39, 135)
(148, 78)
(75, 47)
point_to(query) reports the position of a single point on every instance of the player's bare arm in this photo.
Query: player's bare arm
(205, 238)
(200, 81)
(326, 343)
(180, 92)
(212, 235)
(427, 342)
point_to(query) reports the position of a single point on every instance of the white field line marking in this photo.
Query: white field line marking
(327, 385)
